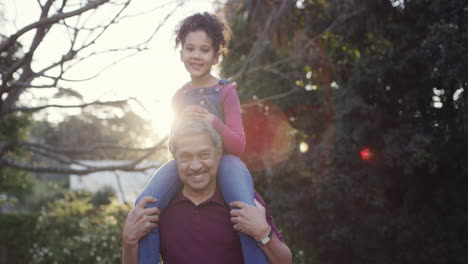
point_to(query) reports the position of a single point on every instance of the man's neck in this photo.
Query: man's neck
(198, 197)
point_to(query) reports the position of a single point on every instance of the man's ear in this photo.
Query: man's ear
(220, 153)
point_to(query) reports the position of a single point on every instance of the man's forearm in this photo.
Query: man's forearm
(277, 252)
(130, 253)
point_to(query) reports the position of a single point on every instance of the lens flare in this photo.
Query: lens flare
(268, 133)
(303, 147)
(366, 154)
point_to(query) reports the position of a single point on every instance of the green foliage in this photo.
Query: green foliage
(72, 230)
(42, 192)
(376, 76)
(12, 181)
(16, 235)
(114, 128)
(103, 196)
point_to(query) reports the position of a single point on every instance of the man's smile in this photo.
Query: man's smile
(197, 173)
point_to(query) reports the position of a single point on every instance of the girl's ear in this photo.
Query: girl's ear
(216, 58)
(181, 58)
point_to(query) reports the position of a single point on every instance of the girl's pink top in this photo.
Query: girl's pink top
(232, 131)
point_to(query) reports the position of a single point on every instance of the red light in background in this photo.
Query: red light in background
(270, 138)
(366, 154)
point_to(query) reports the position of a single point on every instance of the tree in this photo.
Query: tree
(115, 129)
(12, 181)
(85, 23)
(376, 90)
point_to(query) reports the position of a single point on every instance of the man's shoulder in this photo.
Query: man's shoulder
(259, 198)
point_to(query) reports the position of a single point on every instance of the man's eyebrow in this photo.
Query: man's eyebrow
(205, 150)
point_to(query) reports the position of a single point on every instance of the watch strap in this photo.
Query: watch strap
(267, 238)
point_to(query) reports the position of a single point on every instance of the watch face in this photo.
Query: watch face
(265, 240)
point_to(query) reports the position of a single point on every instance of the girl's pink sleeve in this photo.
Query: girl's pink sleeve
(232, 131)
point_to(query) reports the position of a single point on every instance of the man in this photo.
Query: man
(198, 227)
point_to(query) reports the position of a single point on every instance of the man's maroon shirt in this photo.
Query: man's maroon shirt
(202, 233)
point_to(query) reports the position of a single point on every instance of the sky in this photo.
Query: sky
(152, 76)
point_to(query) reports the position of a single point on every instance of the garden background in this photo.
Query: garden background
(354, 111)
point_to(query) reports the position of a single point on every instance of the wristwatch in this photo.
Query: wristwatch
(266, 239)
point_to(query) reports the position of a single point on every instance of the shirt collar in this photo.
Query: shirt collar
(216, 198)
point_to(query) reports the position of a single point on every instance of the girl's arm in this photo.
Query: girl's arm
(232, 131)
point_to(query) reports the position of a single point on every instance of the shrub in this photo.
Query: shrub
(72, 230)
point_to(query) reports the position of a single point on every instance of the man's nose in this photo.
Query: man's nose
(195, 164)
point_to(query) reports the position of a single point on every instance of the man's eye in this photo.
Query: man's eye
(184, 157)
(206, 155)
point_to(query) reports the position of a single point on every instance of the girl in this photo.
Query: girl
(202, 38)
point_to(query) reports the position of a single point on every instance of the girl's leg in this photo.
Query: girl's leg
(163, 186)
(235, 183)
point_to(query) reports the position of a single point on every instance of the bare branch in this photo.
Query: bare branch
(256, 48)
(84, 167)
(51, 155)
(118, 103)
(106, 27)
(143, 46)
(18, 77)
(49, 21)
(119, 184)
(272, 97)
(105, 67)
(89, 149)
(10, 162)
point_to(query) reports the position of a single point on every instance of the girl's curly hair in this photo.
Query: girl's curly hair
(212, 25)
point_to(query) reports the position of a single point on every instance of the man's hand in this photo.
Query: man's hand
(250, 220)
(197, 112)
(140, 221)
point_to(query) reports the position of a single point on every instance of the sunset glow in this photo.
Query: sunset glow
(151, 76)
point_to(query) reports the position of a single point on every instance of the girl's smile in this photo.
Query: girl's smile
(198, 56)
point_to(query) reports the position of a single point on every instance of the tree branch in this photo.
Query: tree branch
(48, 21)
(10, 162)
(84, 167)
(118, 103)
(87, 149)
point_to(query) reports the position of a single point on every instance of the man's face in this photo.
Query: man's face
(197, 161)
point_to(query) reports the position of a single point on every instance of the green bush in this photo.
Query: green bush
(16, 236)
(72, 230)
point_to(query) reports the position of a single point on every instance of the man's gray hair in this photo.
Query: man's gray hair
(192, 126)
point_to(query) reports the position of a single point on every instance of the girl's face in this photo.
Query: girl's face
(198, 54)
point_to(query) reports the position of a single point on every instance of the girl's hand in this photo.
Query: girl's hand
(197, 112)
